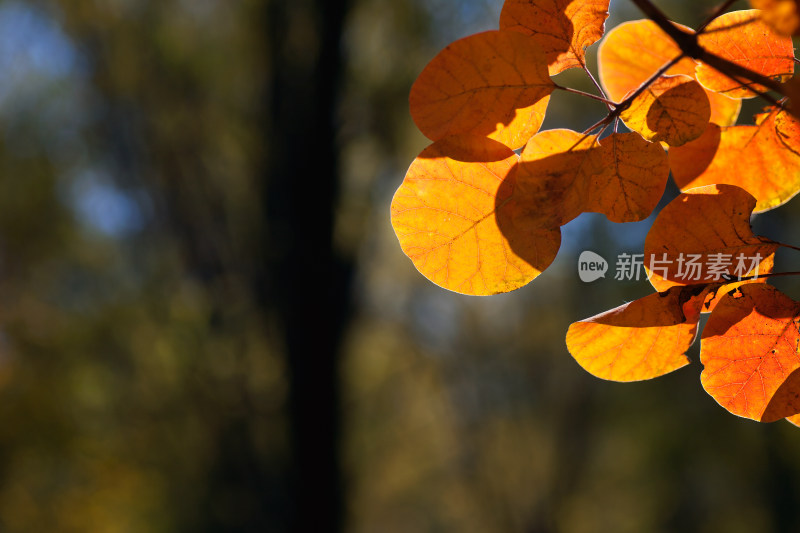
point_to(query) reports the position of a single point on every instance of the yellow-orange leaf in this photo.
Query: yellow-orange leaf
(782, 15)
(457, 217)
(674, 110)
(554, 169)
(493, 84)
(749, 349)
(752, 157)
(743, 38)
(565, 173)
(704, 236)
(563, 28)
(639, 340)
(631, 52)
(636, 172)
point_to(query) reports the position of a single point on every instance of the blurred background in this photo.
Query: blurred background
(207, 323)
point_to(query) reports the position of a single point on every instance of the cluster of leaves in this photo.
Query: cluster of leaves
(480, 209)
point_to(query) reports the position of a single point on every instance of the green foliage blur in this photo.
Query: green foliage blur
(144, 379)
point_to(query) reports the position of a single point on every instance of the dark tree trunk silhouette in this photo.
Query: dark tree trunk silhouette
(308, 280)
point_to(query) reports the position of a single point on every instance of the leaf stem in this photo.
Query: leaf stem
(588, 95)
(596, 84)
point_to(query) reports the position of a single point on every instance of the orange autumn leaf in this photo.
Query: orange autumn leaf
(631, 52)
(635, 175)
(674, 110)
(794, 419)
(459, 220)
(752, 157)
(743, 38)
(562, 28)
(749, 349)
(639, 340)
(782, 15)
(564, 173)
(493, 84)
(704, 236)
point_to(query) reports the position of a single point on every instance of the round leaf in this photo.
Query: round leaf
(674, 110)
(749, 349)
(459, 220)
(493, 84)
(755, 158)
(639, 340)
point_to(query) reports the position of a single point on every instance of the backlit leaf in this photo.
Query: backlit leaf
(565, 173)
(554, 173)
(493, 84)
(459, 220)
(562, 28)
(743, 38)
(639, 340)
(674, 110)
(631, 52)
(749, 349)
(782, 15)
(752, 157)
(709, 227)
(636, 173)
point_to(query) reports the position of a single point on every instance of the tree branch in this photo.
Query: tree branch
(688, 44)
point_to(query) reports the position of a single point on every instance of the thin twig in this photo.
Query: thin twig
(606, 101)
(717, 12)
(787, 245)
(661, 20)
(766, 275)
(740, 24)
(603, 122)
